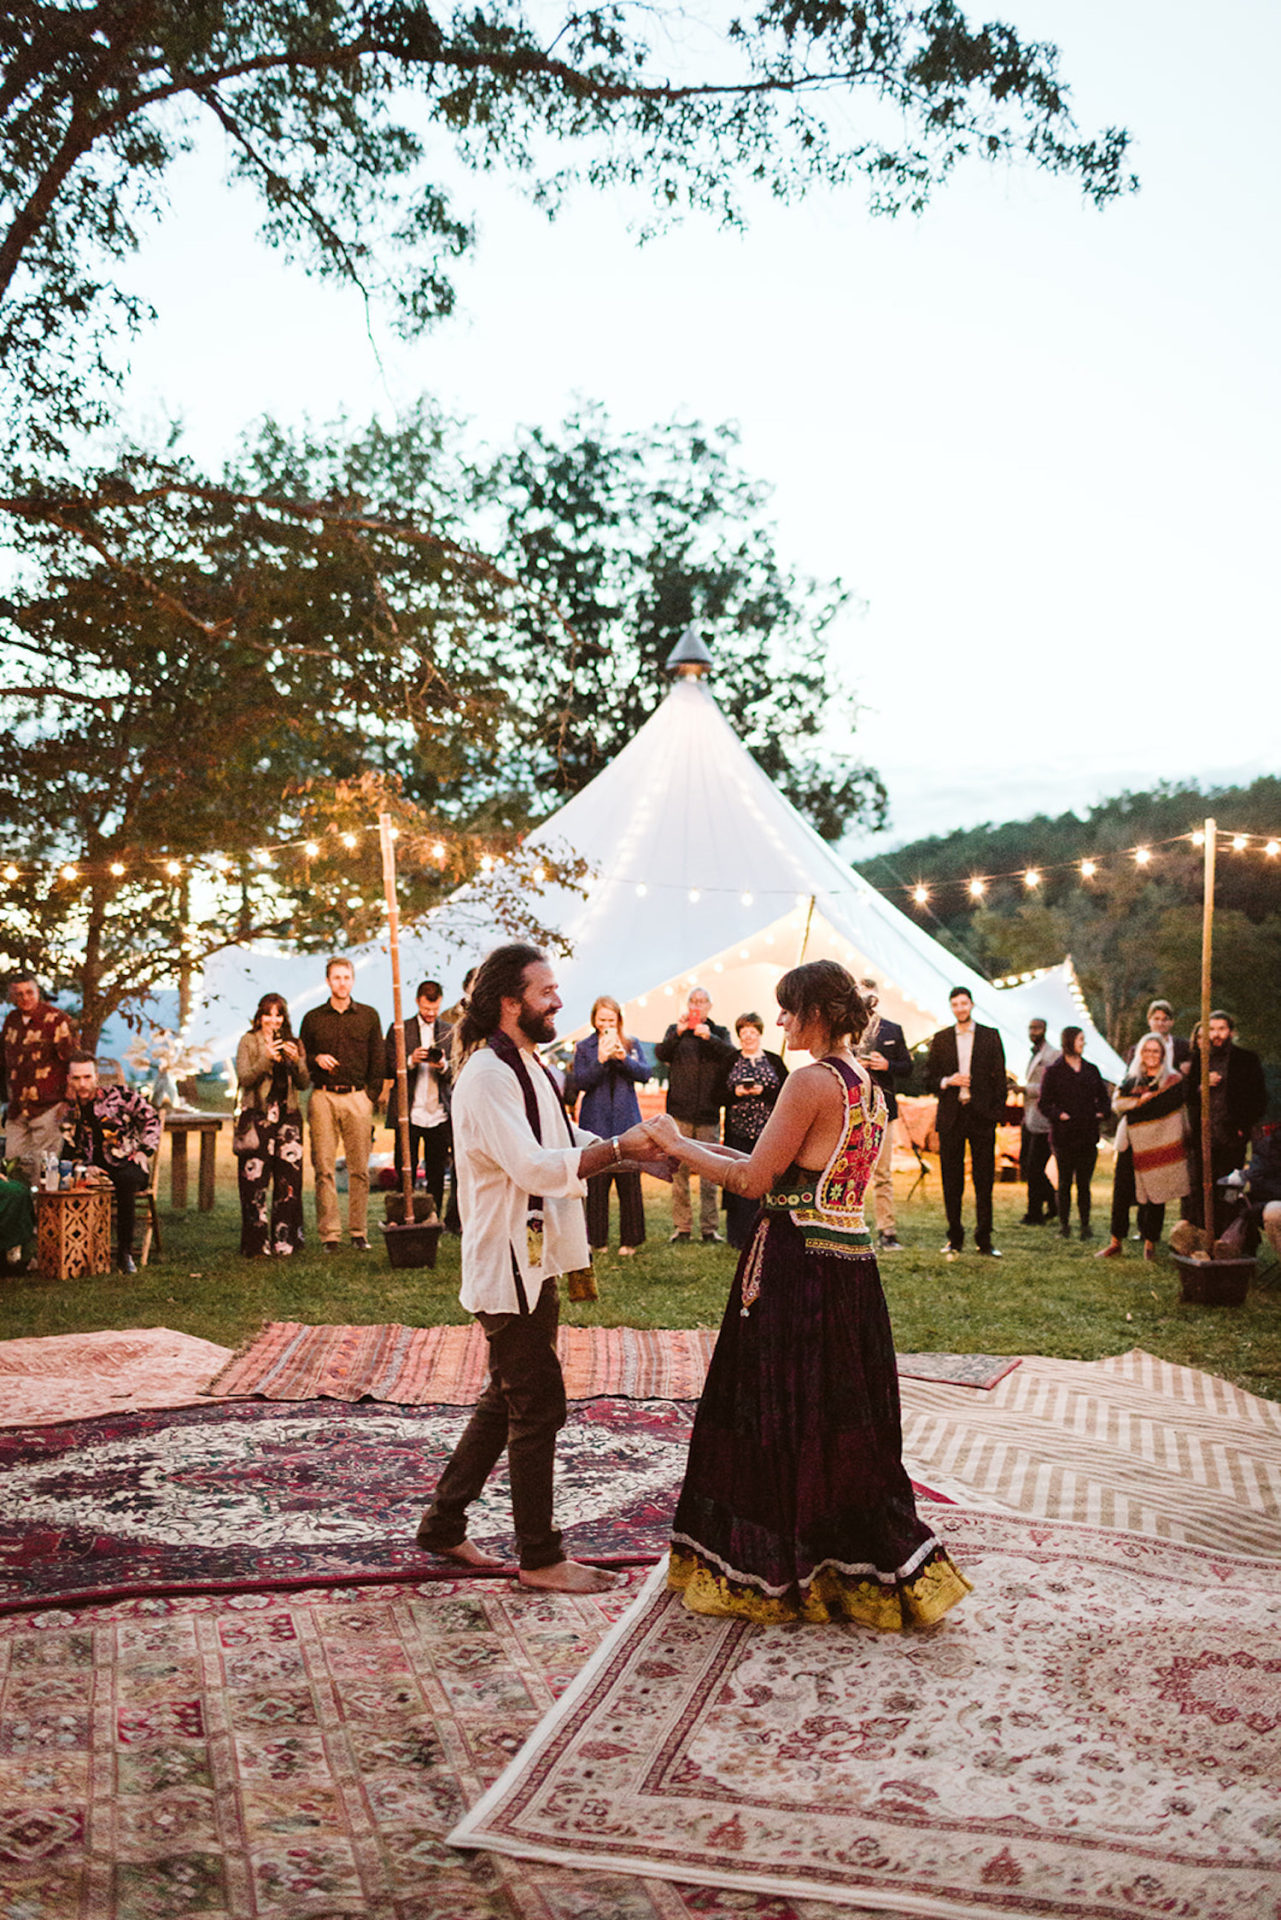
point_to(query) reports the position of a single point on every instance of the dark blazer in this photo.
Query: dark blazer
(1080, 1094)
(986, 1103)
(1247, 1090)
(889, 1039)
(413, 1038)
(697, 1069)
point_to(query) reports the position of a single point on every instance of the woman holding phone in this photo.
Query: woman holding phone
(754, 1083)
(607, 1069)
(267, 1138)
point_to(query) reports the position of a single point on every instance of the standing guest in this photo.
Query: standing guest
(523, 1169)
(753, 1085)
(1238, 1101)
(267, 1137)
(1034, 1144)
(117, 1131)
(1263, 1184)
(883, 1051)
(1151, 1148)
(698, 1054)
(427, 1043)
(38, 1041)
(343, 1044)
(1161, 1023)
(966, 1068)
(607, 1069)
(795, 1504)
(1075, 1099)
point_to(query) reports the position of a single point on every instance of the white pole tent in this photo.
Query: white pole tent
(700, 871)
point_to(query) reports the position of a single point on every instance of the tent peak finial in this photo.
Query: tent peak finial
(689, 659)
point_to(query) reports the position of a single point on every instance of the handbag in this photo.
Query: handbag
(244, 1133)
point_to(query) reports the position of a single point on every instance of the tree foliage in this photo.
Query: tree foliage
(634, 537)
(1133, 932)
(346, 117)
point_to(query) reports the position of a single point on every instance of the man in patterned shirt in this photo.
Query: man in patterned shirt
(116, 1130)
(38, 1041)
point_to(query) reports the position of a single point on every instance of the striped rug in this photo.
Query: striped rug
(1131, 1442)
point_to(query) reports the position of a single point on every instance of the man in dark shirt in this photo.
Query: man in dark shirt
(883, 1050)
(343, 1043)
(966, 1069)
(698, 1055)
(1238, 1101)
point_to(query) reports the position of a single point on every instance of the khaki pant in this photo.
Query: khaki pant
(25, 1139)
(708, 1194)
(883, 1184)
(349, 1118)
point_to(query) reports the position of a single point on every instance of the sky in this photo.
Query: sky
(1037, 441)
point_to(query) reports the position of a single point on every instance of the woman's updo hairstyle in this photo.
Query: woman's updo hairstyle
(822, 990)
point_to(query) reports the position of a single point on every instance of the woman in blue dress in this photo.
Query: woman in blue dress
(796, 1505)
(607, 1069)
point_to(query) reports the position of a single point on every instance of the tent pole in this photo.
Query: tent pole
(800, 958)
(1207, 943)
(398, 1029)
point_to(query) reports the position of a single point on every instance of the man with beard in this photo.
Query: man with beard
(522, 1169)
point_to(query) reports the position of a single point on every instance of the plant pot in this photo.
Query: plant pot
(1214, 1283)
(412, 1246)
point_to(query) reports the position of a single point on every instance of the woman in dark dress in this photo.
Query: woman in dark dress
(796, 1504)
(753, 1084)
(1074, 1100)
(267, 1137)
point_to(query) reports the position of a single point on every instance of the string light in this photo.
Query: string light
(117, 868)
(1088, 869)
(921, 896)
(1198, 838)
(1142, 855)
(173, 868)
(1272, 849)
(978, 888)
(311, 848)
(1031, 878)
(487, 863)
(1239, 843)
(539, 876)
(694, 896)
(747, 899)
(438, 852)
(11, 872)
(70, 873)
(641, 890)
(220, 863)
(348, 840)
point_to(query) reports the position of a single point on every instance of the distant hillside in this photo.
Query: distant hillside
(1133, 932)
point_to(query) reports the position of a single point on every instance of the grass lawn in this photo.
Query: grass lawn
(1045, 1296)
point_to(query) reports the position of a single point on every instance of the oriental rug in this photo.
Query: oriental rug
(72, 1376)
(1131, 1441)
(447, 1366)
(1094, 1733)
(253, 1495)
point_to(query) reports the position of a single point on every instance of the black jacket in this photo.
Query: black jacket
(889, 1039)
(696, 1076)
(1247, 1090)
(413, 1038)
(986, 1103)
(1080, 1094)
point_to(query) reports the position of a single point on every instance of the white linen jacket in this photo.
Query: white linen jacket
(499, 1165)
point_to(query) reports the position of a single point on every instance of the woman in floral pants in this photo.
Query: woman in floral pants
(270, 1068)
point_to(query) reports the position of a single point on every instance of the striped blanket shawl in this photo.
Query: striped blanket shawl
(1157, 1133)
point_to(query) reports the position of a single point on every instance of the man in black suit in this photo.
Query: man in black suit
(1238, 1101)
(883, 1051)
(967, 1071)
(427, 1042)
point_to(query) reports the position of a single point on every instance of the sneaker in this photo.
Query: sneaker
(949, 1247)
(889, 1243)
(989, 1253)
(127, 1263)
(360, 1243)
(678, 1240)
(713, 1239)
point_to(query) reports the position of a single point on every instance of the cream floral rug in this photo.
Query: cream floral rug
(75, 1376)
(1096, 1732)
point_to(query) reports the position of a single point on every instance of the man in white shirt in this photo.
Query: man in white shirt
(522, 1169)
(427, 1043)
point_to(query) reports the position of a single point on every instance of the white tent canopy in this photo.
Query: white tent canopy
(702, 871)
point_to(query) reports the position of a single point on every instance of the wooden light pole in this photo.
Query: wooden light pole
(1207, 949)
(410, 1243)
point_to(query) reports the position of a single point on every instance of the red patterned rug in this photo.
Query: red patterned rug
(1094, 1734)
(447, 1366)
(254, 1495)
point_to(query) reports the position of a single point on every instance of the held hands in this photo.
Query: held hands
(663, 1134)
(639, 1144)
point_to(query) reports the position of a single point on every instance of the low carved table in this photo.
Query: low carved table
(73, 1232)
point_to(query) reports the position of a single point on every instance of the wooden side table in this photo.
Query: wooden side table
(73, 1232)
(177, 1127)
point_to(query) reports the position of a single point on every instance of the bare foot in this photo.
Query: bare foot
(467, 1554)
(568, 1576)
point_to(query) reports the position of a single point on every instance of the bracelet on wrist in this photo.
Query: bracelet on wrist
(618, 1151)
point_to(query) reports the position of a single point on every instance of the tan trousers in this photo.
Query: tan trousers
(347, 1118)
(883, 1184)
(26, 1139)
(709, 1201)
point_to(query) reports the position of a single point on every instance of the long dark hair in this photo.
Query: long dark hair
(823, 990)
(265, 1005)
(500, 976)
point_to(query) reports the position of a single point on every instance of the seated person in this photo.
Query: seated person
(17, 1220)
(117, 1131)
